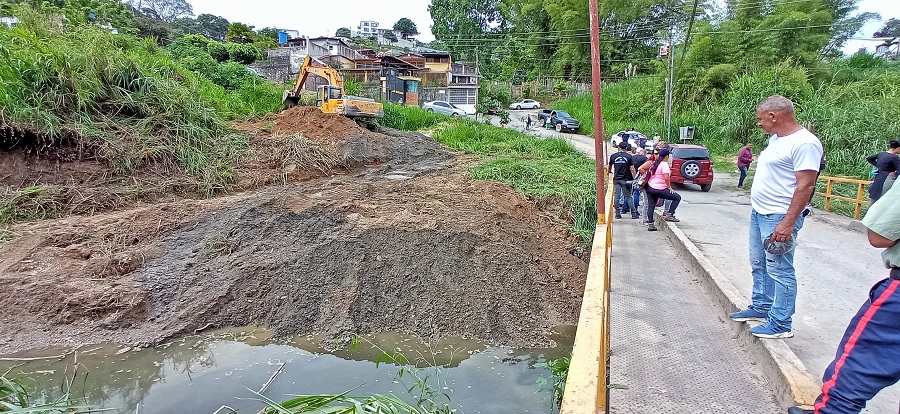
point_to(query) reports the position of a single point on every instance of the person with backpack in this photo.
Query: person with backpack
(659, 186)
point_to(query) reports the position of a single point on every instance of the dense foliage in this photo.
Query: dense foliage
(127, 101)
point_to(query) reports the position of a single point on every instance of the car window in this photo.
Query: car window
(563, 114)
(690, 153)
(527, 101)
(441, 104)
(453, 106)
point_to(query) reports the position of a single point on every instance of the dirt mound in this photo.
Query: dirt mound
(308, 121)
(434, 255)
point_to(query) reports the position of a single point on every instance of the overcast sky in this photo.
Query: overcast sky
(324, 17)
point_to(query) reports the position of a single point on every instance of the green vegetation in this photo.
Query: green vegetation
(854, 109)
(548, 171)
(14, 398)
(127, 101)
(559, 371)
(423, 385)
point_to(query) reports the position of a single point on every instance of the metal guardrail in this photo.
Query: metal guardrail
(587, 384)
(829, 189)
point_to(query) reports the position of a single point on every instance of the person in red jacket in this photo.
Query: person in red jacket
(745, 157)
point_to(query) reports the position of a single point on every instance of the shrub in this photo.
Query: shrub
(242, 53)
(218, 52)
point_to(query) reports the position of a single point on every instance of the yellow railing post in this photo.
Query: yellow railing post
(859, 200)
(860, 193)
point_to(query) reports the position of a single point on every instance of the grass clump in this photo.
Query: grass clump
(409, 118)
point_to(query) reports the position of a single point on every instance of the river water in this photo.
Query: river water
(204, 373)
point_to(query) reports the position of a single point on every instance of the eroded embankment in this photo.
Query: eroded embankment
(398, 239)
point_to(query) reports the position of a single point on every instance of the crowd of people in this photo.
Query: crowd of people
(643, 182)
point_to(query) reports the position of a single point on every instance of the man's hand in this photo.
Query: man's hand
(783, 231)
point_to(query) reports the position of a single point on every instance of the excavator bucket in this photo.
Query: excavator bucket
(288, 100)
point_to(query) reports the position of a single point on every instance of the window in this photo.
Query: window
(442, 104)
(467, 96)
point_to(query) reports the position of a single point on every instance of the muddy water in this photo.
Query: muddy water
(200, 374)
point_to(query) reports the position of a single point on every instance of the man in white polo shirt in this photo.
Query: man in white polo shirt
(785, 179)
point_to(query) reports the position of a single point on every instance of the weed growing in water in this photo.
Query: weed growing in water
(559, 371)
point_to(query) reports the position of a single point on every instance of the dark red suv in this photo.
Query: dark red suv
(691, 165)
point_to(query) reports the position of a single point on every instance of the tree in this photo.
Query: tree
(212, 26)
(891, 28)
(268, 32)
(342, 32)
(239, 33)
(406, 27)
(165, 10)
(390, 37)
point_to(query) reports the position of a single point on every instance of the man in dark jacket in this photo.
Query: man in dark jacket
(887, 164)
(623, 173)
(745, 157)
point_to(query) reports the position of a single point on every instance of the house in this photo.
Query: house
(366, 28)
(444, 80)
(340, 54)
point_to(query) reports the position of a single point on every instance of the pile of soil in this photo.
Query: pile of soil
(395, 237)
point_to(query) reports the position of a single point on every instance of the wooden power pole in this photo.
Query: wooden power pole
(599, 139)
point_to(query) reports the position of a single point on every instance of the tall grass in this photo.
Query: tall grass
(409, 118)
(549, 170)
(122, 98)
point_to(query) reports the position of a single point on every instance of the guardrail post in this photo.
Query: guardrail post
(828, 194)
(859, 200)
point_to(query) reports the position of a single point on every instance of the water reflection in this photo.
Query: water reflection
(199, 374)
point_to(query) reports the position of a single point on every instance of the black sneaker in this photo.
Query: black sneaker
(635, 216)
(651, 227)
(671, 217)
(618, 215)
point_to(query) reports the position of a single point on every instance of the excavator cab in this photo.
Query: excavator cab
(328, 93)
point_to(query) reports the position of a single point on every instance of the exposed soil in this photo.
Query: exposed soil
(366, 231)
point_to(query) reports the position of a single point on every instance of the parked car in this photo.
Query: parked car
(691, 165)
(559, 120)
(445, 108)
(634, 138)
(525, 104)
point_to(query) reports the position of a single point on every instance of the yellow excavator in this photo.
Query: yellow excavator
(330, 98)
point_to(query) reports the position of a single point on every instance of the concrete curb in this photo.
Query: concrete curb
(789, 378)
(838, 221)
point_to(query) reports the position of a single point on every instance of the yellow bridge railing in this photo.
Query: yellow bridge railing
(829, 195)
(587, 384)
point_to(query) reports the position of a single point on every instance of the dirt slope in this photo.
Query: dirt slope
(393, 236)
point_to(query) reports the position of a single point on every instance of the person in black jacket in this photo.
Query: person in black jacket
(623, 174)
(887, 164)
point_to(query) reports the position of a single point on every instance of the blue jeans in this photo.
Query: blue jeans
(636, 195)
(774, 279)
(743, 171)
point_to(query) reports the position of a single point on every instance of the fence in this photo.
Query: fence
(587, 385)
(829, 193)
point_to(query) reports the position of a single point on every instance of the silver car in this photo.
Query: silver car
(445, 108)
(525, 104)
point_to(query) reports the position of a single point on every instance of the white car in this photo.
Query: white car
(525, 104)
(633, 139)
(445, 108)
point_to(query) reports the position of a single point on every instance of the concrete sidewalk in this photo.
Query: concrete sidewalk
(671, 351)
(835, 269)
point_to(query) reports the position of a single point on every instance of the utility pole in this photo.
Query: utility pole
(599, 139)
(670, 82)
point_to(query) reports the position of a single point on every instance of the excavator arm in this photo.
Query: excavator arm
(292, 97)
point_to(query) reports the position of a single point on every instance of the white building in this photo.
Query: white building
(366, 28)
